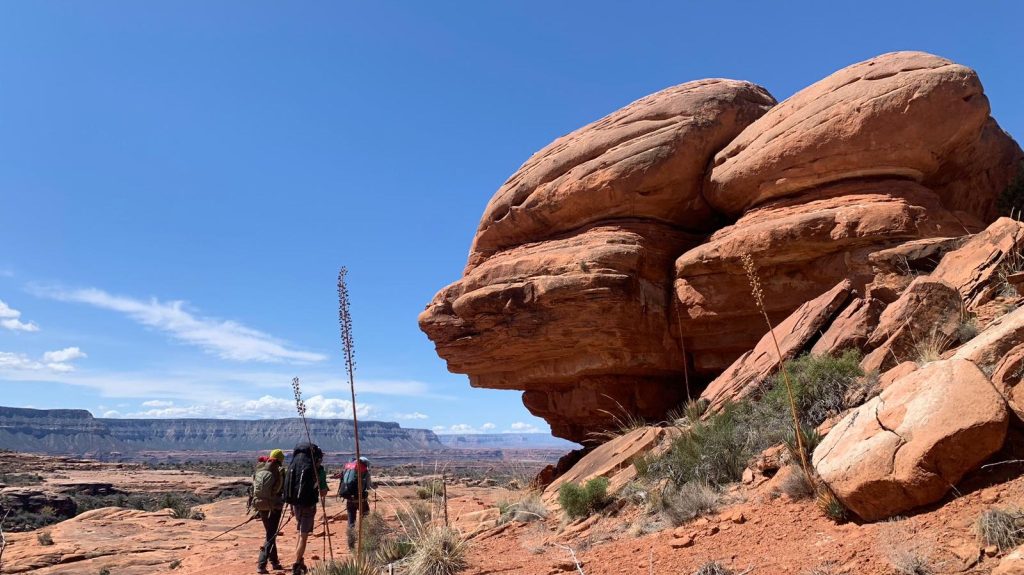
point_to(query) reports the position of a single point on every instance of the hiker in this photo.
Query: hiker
(267, 491)
(348, 489)
(305, 485)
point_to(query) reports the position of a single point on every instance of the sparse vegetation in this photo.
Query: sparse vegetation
(931, 347)
(1003, 528)
(581, 500)
(44, 538)
(712, 452)
(20, 479)
(967, 329)
(527, 509)
(348, 567)
(713, 568)
(175, 564)
(830, 505)
(687, 502)
(438, 551)
(795, 484)
(430, 489)
(905, 550)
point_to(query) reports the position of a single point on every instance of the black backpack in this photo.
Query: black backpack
(302, 483)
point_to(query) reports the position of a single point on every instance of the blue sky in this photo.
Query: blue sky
(180, 181)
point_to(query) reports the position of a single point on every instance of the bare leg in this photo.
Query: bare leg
(300, 549)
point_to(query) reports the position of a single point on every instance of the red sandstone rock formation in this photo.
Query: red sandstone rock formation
(591, 286)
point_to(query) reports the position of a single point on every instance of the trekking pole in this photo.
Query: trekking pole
(348, 344)
(232, 529)
(300, 406)
(444, 497)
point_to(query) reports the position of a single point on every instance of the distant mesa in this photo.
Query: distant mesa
(606, 271)
(77, 432)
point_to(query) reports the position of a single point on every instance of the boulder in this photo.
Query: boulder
(1011, 564)
(913, 257)
(802, 246)
(748, 372)
(613, 459)
(1007, 377)
(990, 347)
(904, 114)
(566, 293)
(851, 328)
(924, 320)
(910, 445)
(644, 161)
(975, 268)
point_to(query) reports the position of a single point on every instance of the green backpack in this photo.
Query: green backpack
(263, 496)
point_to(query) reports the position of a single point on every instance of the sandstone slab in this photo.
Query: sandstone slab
(1007, 377)
(749, 371)
(851, 328)
(994, 343)
(975, 268)
(924, 320)
(908, 446)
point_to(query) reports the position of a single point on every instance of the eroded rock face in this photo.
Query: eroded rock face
(644, 161)
(974, 269)
(908, 446)
(802, 247)
(570, 293)
(908, 115)
(566, 294)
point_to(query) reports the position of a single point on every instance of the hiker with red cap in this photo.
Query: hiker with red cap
(267, 499)
(349, 491)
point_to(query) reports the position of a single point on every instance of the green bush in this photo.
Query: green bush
(687, 502)
(581, 500)
(821, 384)
(713, 452)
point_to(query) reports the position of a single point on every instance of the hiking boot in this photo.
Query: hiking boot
(276, 566)
(299, 569)
(262, 570)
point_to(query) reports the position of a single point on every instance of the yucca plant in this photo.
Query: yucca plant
(348, 347)
(438, 551)
(348, 567)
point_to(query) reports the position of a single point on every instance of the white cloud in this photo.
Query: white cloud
(64, 355)
(110, 414)
(9, 319)
(52, 361)
(157, 403)
(266, 407)
(409, 416)
(464, 429)
(487, 426)
(225, 338)
(521, 427)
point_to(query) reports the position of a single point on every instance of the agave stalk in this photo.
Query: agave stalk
(755, 290)
(348, 346)
(300, 406)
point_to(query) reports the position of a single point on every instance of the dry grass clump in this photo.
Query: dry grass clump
(347, 567)
(830, 505)
(438, 551)
(905, 550)
(795, 484)
(430, 489)
(44, 538)
(931, 347)
(713, 568)
(1003, 528)
(826, 568)
(687, 502)
(529, 508)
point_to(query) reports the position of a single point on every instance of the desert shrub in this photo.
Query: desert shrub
(810, 438)
(642, 464)
(967, 329)
(830, 505)
(821, 384)
(825, 568)
(104, 571)
(796, 485)
(375, 533)
(180, 508)
(713, 452)
(44, 538)
(438, 551)
(1003, 528)
(1011, 200)
(430, 489)
(175, 564)
(687, 502)
(393, 550)
(713, 568)
(689, 412)
(527, 509)
(581, 500)
(346, 567)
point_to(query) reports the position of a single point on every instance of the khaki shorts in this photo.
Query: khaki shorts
(305, 517)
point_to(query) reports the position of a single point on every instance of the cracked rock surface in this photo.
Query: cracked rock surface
(908, 446)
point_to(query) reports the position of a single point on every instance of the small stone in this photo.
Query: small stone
(990, 498)
(991, 551)
(748, 476)
(680, 542)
